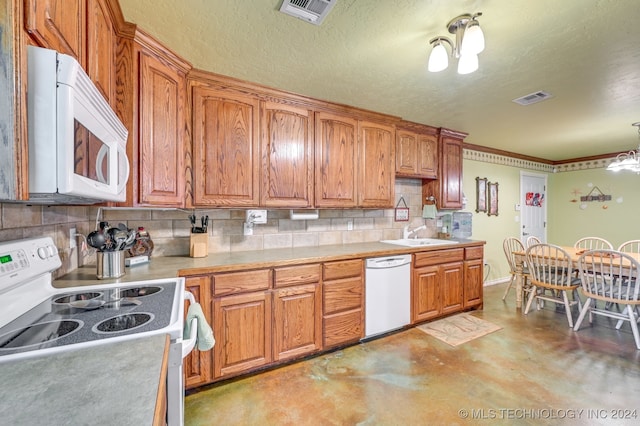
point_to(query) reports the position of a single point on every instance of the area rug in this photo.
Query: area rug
(459, 329)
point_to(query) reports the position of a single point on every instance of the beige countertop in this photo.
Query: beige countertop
(114, 384)
(172, 266)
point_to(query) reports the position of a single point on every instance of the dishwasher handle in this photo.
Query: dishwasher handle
(388, 262)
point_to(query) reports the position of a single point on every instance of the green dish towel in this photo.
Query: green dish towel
(429, 211)
(205, 339)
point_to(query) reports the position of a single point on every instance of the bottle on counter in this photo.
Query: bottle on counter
(143, 245)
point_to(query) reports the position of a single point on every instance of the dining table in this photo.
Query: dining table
(574, 254)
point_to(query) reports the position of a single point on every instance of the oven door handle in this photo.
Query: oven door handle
(190, 342)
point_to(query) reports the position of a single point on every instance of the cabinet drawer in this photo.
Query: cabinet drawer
(239, 282)
(343, 328)
(342, 269)
(294, 275)
(438, 256)
(342, 295)
(473, 253)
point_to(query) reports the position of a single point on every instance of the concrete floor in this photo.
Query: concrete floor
(536, 370)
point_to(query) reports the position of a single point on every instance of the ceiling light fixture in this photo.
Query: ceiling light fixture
(627, 160)
(469, 42)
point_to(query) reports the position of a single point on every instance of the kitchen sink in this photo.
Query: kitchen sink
(419, 242)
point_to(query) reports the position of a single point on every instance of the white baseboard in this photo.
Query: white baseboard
(496, 281)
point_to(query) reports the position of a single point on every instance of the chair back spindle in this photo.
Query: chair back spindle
(593, 243)
(632, 246)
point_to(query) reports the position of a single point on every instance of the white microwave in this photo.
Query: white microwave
(77, 144)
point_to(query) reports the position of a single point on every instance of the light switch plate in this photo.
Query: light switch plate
(257, 216)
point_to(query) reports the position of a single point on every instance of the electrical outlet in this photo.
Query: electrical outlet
(350, 225)
(72, 238)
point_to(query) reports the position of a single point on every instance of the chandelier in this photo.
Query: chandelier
(627, 160)
(469, 42)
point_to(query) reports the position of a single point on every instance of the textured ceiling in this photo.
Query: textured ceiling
(373, 54)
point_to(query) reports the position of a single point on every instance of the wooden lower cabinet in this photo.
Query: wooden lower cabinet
(197, 365)
(425, 294)
(262, 317)
(438, 284)
(473, 277)
(343, 302)
(452, 275)
(297, 321)
(437, 290)
(265, 316)
(242, 327)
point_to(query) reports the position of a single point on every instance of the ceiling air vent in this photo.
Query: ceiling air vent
(313, 11)
(532, 98)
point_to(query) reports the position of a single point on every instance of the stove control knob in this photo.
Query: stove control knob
(42, 252)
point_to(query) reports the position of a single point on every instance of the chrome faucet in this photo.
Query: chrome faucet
(406, 233)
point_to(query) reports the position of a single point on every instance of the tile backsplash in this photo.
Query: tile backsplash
(169, 228)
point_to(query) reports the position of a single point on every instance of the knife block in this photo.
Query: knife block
(199, 245)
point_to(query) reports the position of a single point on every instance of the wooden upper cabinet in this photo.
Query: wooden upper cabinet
(336, 160)
(417, 152)
(355, 162)
(101, 47)
(79, 28)
(451, 187)
(59, 25)
(447, 189)
(376, 169)
(287, 156)
(427, 156)
(225, 148)
(161, 124)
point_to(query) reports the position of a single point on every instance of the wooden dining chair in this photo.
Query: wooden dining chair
(552, 278)
(510, 245)
(531, 240)
(631, 246)
(593, 243)
(610, 276)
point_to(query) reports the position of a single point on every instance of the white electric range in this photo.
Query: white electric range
(38, 319)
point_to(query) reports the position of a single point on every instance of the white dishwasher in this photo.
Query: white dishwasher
(387, 294)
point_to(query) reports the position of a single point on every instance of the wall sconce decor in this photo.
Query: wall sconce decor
(627, 160)
(468, 43)
(481, 195)
(493, 198)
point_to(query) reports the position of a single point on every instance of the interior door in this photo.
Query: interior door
(533, 206)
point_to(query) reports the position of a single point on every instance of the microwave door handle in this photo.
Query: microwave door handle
(125, 162)
(102, 153)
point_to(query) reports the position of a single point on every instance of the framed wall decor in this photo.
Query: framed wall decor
(401, 213)
(481, 195)
(493, 198)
